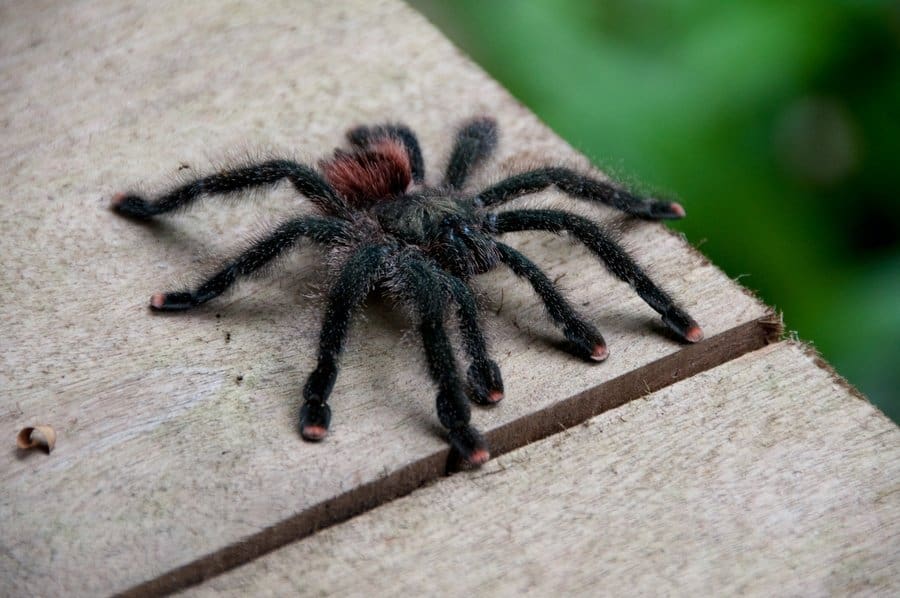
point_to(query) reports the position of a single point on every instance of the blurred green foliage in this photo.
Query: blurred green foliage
(776, 123)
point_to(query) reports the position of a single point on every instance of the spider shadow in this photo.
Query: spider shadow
(540, 330)
(634, 322)
(394, 375)
(164, 233)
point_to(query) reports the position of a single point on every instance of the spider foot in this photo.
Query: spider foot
(172, 301)
(131, 206)
(665, 210)
(485, 384)
(683, 325)
(588, 346)
(315, 416)
(470, 444)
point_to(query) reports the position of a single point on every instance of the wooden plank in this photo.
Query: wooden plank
(763, 476)
(177, 453)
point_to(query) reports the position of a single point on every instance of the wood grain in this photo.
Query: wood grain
(177, 453)
(764, 476)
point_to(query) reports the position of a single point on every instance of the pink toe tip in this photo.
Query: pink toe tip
(117, 199)
(479, 457)
(677, 209)
(158, 300)
(314, 432)
(694, 334)
(599, 353)
(495, 396)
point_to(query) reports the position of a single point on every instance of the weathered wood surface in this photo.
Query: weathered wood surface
(178, 453)
(763, 476)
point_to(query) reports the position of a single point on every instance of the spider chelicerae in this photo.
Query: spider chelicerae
(420, 245)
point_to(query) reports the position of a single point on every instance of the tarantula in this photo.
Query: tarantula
(420, 245)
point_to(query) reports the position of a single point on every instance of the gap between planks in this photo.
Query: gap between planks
(691, 360)
(764, 476)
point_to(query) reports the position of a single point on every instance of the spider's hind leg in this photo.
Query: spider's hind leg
(306, 180)
(475, 142)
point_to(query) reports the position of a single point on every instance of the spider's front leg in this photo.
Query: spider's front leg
(580, 186)
(614, 257)
(429, 300)
(355, 281)
(483, 375)
(323, 230)
(586, 342)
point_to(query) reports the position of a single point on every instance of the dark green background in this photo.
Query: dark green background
(777, 124)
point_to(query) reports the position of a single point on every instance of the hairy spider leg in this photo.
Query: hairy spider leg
(611, 254)
(306, 180)
(429, 300)
(483, 375)
(322, 230)
(582, 187)
(586, 341)
(363, 137)
(475, 142)
(355, 281)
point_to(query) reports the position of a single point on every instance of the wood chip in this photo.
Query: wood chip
(36, 437)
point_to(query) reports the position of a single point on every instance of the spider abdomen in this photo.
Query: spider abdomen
(368, 175)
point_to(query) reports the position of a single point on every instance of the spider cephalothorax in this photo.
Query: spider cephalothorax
(421, 244)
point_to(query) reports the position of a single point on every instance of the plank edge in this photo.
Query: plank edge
(689, 361)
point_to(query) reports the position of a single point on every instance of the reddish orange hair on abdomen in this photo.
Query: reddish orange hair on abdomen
(365, 176)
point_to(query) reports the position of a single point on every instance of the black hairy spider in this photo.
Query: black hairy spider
(420, 245)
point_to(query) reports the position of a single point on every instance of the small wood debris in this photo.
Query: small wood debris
(42, 436)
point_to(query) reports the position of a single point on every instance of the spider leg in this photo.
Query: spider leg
(306, 180)
(364, 136)
(475, 142)
(613, 256)
(355, 281)
(429, 300)
(322, 230)
(483, 375)
(582, 187)
(586, 341)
